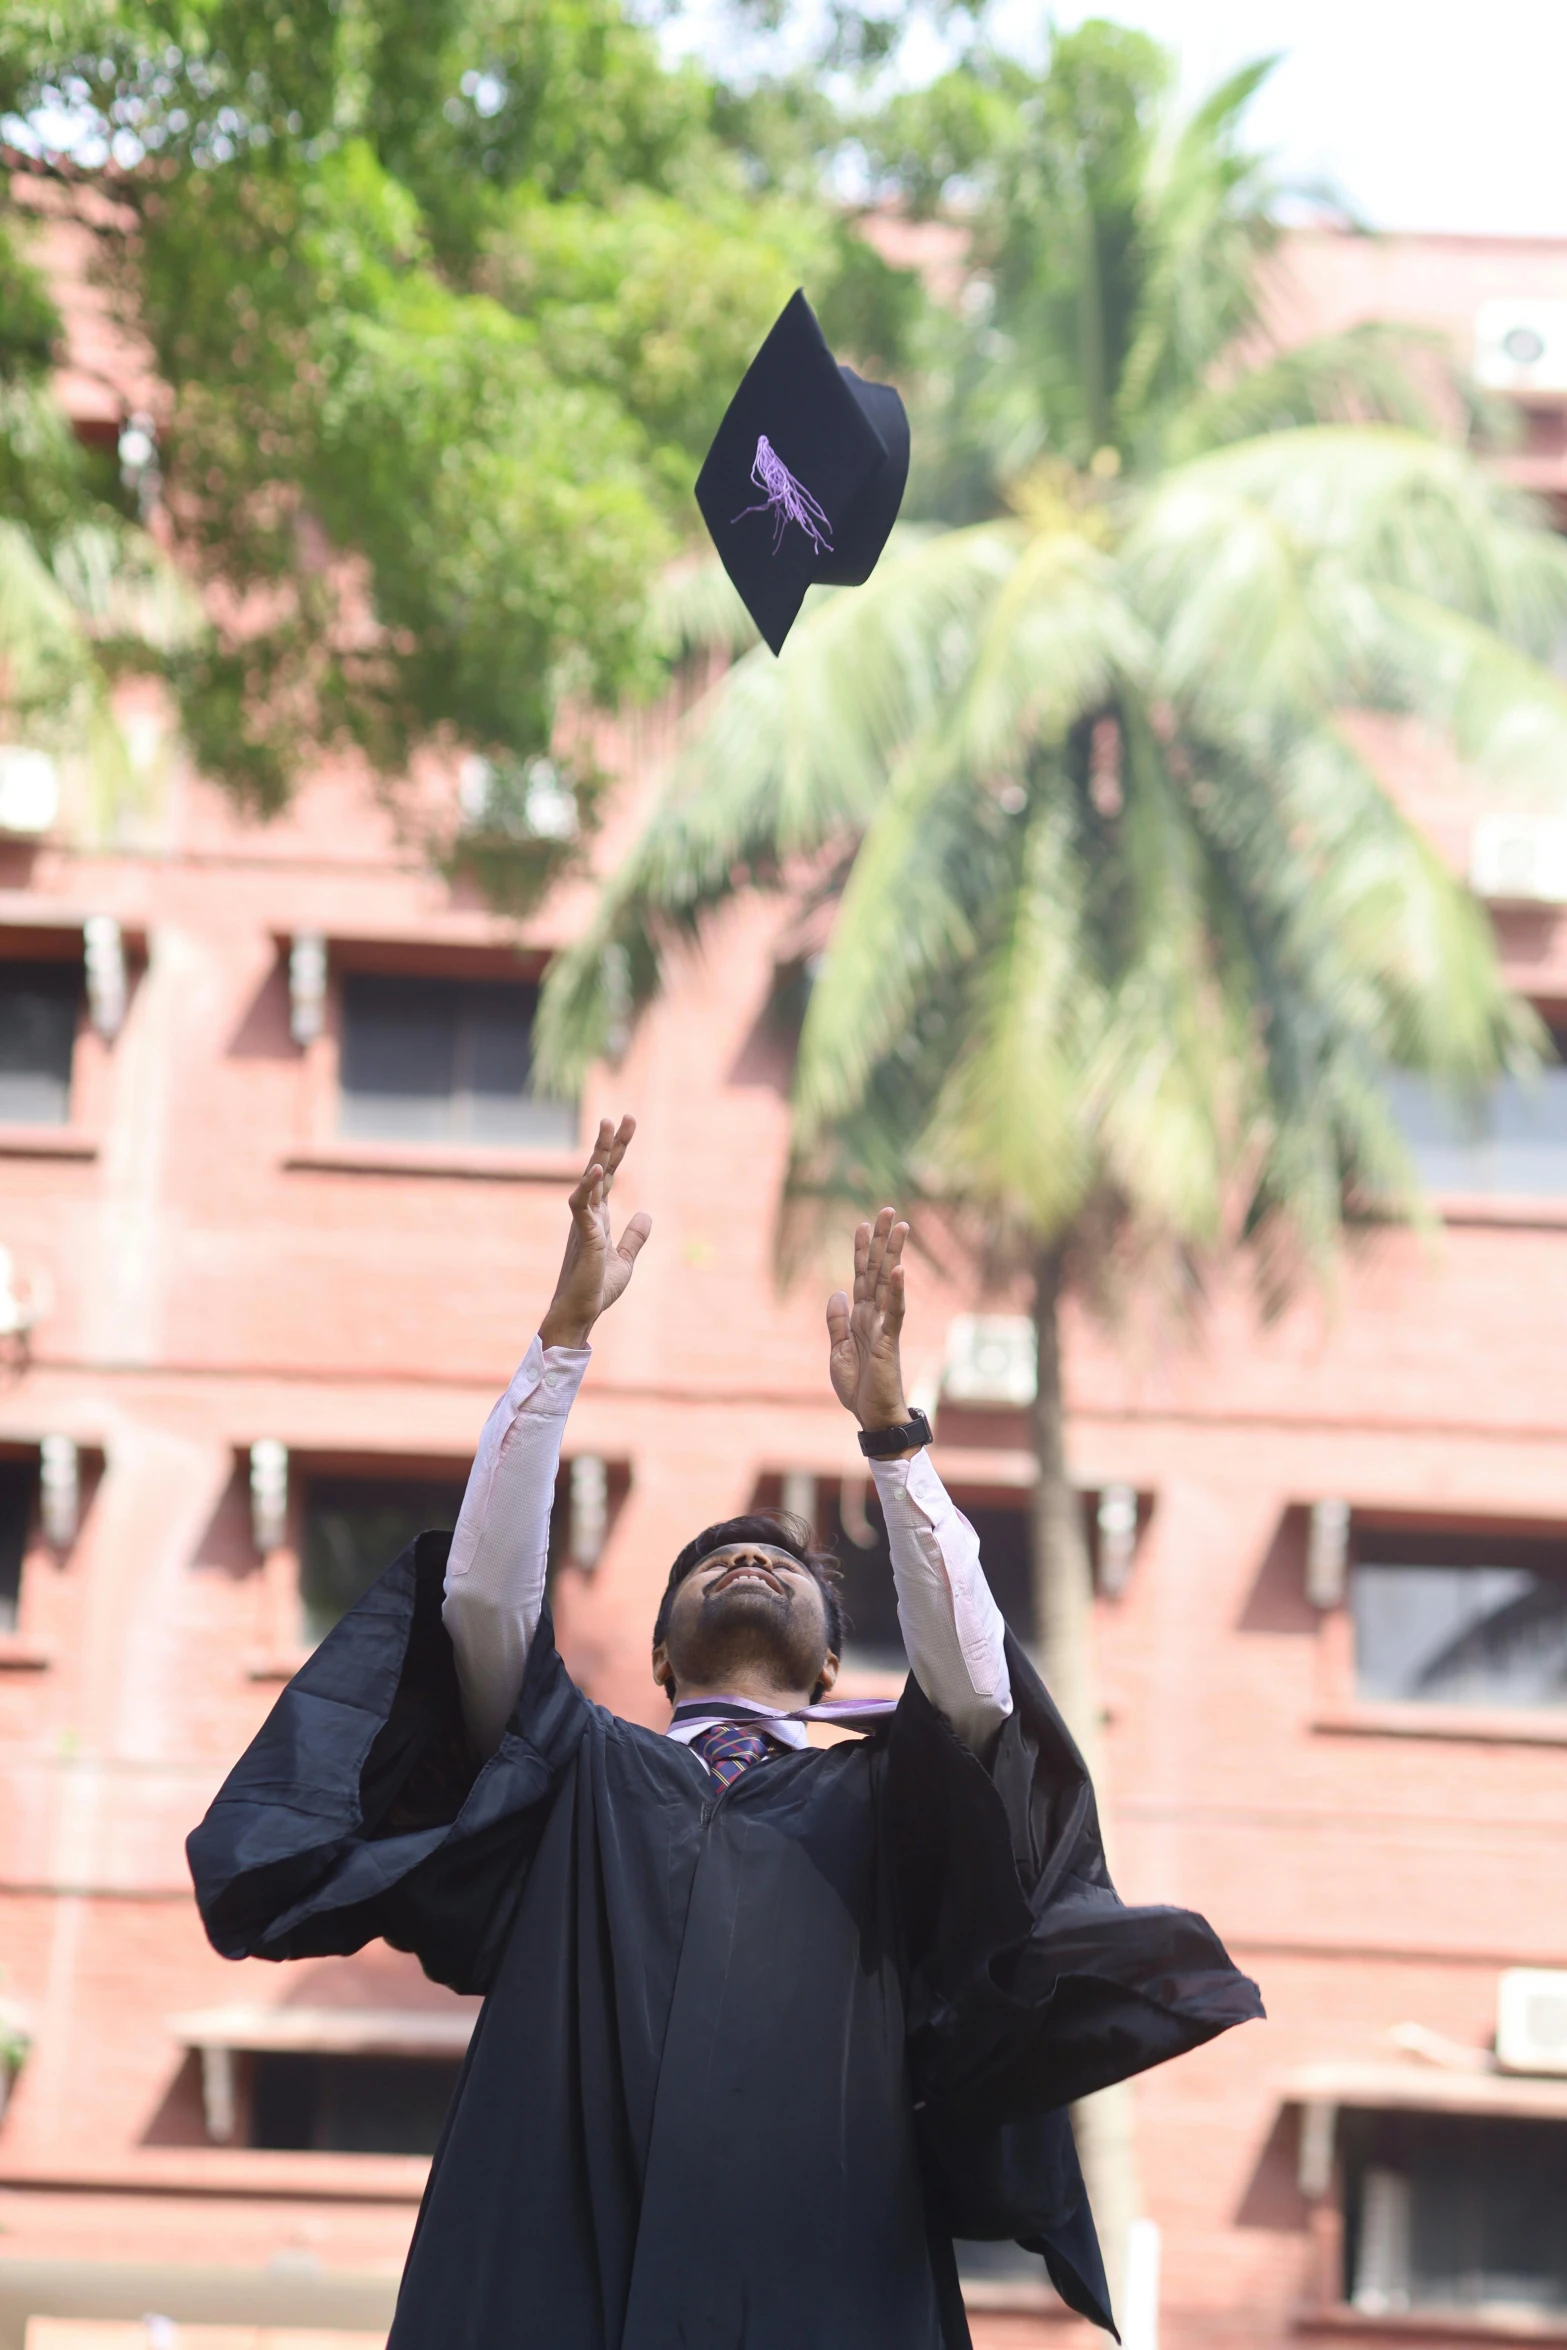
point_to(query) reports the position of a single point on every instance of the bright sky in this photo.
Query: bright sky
(1433, 114)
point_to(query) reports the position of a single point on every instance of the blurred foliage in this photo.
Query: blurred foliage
(84, 592)
(1115, 308)
(1125, 929)
(447, 300)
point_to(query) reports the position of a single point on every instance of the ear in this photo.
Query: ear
(663, 1671)
(828, 1674)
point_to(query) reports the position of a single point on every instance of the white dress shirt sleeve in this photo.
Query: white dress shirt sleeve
(500, 1550)
(952, 1627)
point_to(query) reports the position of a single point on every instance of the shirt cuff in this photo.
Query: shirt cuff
(548, 1377)
(911, 1489)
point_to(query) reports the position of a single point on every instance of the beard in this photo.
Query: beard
(747, 1626)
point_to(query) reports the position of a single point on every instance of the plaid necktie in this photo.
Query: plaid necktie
(728, 1748)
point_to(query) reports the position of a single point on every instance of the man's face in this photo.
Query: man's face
(748, 1610)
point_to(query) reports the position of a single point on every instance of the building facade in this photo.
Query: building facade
(279, 1210)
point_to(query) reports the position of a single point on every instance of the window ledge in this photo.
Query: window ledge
(277, 1666)
(467, 1162)
(46, 1142)
(1482, 1725)
(21, 1654)
(233, 2170)
(1033, 2300)
(1542, 1210)
(1434, 2325)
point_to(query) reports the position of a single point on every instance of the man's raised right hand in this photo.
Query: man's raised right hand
(594, 1269)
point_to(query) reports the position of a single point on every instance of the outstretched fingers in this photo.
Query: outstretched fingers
(593, 1184)
(838, 1319)
(614, 1150)
(886, 1248)
(862, 1252)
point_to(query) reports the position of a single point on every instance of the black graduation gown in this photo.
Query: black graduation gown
(748, 2061)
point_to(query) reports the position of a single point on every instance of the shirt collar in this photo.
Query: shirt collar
(694, 1717)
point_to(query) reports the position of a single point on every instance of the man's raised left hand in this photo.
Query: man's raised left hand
(866, 1368)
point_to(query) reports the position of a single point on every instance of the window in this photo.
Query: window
(350, 2104)
(1449, 1618)
(1454, 2211)
(444, 1060)
(38, 1008)
(17, 1482)
(354, 1528)
(869, 1599)
(1513, 1142)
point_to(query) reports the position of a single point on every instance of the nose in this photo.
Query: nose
(757, 1560)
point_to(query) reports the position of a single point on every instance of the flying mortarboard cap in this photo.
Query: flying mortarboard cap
(805, 475)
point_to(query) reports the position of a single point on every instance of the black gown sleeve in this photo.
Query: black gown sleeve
(1031, 1984)
(361, 1809)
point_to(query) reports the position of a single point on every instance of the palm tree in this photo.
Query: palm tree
(1126, 931)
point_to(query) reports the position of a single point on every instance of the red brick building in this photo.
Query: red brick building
(278, 1214)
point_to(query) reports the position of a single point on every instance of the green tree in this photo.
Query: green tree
(1126, 932)
(83, 591)
(446, 300)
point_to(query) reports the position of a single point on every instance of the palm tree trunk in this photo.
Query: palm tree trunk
(1093, 368)
(1063, 1613)
(1063, 1584)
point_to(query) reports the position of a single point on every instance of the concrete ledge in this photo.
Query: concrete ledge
(1485, 1725)
(316, 2298)
(1441, 2329)
(46, 1142)
(463, 1163)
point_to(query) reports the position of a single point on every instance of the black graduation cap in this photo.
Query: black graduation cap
(804, 479)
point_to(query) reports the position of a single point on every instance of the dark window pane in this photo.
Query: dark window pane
(1455, 2211)
(444, 1060)
(868, 1592)
(285, 2100)
(868, 1597)
(354, 1528)
(17, 1481)
(1004, 1554)
(399, 1058)
(499, 1040)
(38, 1004)
(1460, 1619)
(351, 2104)
(1513, 1141)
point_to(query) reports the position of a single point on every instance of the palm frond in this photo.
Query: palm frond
(695, 607)
(782, 759)
(1207, 220)
(1371, 373)
(1006, 1130)
(1504, 711)
(1392, 508)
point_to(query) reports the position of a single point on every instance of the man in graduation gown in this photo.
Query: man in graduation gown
(765, 2025)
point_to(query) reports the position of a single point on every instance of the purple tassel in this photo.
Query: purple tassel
(786, 499)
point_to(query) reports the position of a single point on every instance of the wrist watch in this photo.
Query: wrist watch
(880, 1444)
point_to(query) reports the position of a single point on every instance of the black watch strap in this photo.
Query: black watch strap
(880, 1444)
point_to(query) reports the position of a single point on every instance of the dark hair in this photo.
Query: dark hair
(780, 1532)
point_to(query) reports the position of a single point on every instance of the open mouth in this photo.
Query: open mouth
(748, 1572)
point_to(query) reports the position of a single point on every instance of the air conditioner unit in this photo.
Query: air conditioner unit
(1531, 2020)
(29, 789)
(1519, 860)
(991, 1359)
(1521, 345)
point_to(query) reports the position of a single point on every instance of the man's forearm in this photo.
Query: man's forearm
(952, 1628)
(500, 1550)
